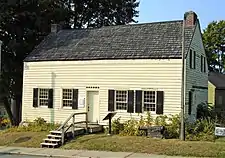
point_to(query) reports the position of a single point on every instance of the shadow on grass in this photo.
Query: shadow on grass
(22, 139)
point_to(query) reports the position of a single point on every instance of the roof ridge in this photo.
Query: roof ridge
(134, 24)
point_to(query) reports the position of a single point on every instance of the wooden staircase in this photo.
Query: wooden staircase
(65, 132)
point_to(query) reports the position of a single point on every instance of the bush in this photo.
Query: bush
(117, 127)
(37, 125)
(4, 122)
(202, 129)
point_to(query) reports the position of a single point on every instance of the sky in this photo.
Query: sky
(166, 10)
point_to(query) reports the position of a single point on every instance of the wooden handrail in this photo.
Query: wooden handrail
(62, 127)
(68, 119)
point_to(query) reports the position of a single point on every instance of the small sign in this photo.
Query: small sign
(220, 131)
(81, 103)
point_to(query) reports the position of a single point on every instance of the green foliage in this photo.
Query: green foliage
(172, 127)
(214, 40)
(4, 123)
(37, 125)
(117, 127)
(161, 120)
(202, 129)
(205, 111)
(131, 128)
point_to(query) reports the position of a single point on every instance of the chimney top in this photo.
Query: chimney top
(55, 28)
(190, 18)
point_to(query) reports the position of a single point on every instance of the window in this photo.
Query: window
(121, 100)
(194, 66)
(204, 65)
(43, 97)
(149, 101)
(67, 97)
(192, 59)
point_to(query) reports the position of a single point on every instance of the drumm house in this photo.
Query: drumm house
(129, 69)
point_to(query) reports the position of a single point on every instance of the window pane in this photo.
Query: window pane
(149, 101)
(43, 97)
(67, 97)
(121, 100)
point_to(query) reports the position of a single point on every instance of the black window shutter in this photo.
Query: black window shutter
(75, 99)
(194, 59)
(191, 59)
(111, 98)
(130, 108)
(35, 97)
(204, 64)
(201, 63)
(138, 103)
(160, 102)
(50, 98)
(190, 102)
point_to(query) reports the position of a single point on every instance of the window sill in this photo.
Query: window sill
(121, 111)
(68, 108)
(43, 107)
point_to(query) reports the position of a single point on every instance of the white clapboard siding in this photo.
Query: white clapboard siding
(194, 77)
(106, 74)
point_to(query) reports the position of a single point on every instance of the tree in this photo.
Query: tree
(214, 42)
(25, 23)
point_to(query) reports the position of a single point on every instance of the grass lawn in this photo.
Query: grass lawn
(22, 139)
(148, 145)
(121, 143)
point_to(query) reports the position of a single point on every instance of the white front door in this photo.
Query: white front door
(93, 106)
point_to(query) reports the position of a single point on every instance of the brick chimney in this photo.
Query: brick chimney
(55, 28)
(190, 19)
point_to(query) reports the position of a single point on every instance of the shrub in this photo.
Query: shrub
(37, 125)
(202, 129)
(4, 122)
(117, 127)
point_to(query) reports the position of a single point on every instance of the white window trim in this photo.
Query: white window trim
(61, 100)
(42, 106)
(120, 110)
(152, 112)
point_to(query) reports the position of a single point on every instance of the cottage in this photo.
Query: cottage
(216, 90)
(129, 69)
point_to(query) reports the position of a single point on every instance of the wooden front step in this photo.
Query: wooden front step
(49, 145)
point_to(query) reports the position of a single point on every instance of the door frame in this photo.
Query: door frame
(86, 102)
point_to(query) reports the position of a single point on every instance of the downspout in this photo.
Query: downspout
(182, 131)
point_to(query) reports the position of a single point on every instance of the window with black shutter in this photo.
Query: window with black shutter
(201, 63)
(75, 99)
(111, 99)
(67, 97)
(191, 62)
(204, 65)
(190, 96)
(35, 97)
(138, 101)
(50, 98)
(130, 101)
(43, 97)
(121, 100)
(160, 102)
(149, 98)
(194, 60)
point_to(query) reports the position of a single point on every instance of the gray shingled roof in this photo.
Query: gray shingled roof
(137, 41)
(217, 79)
